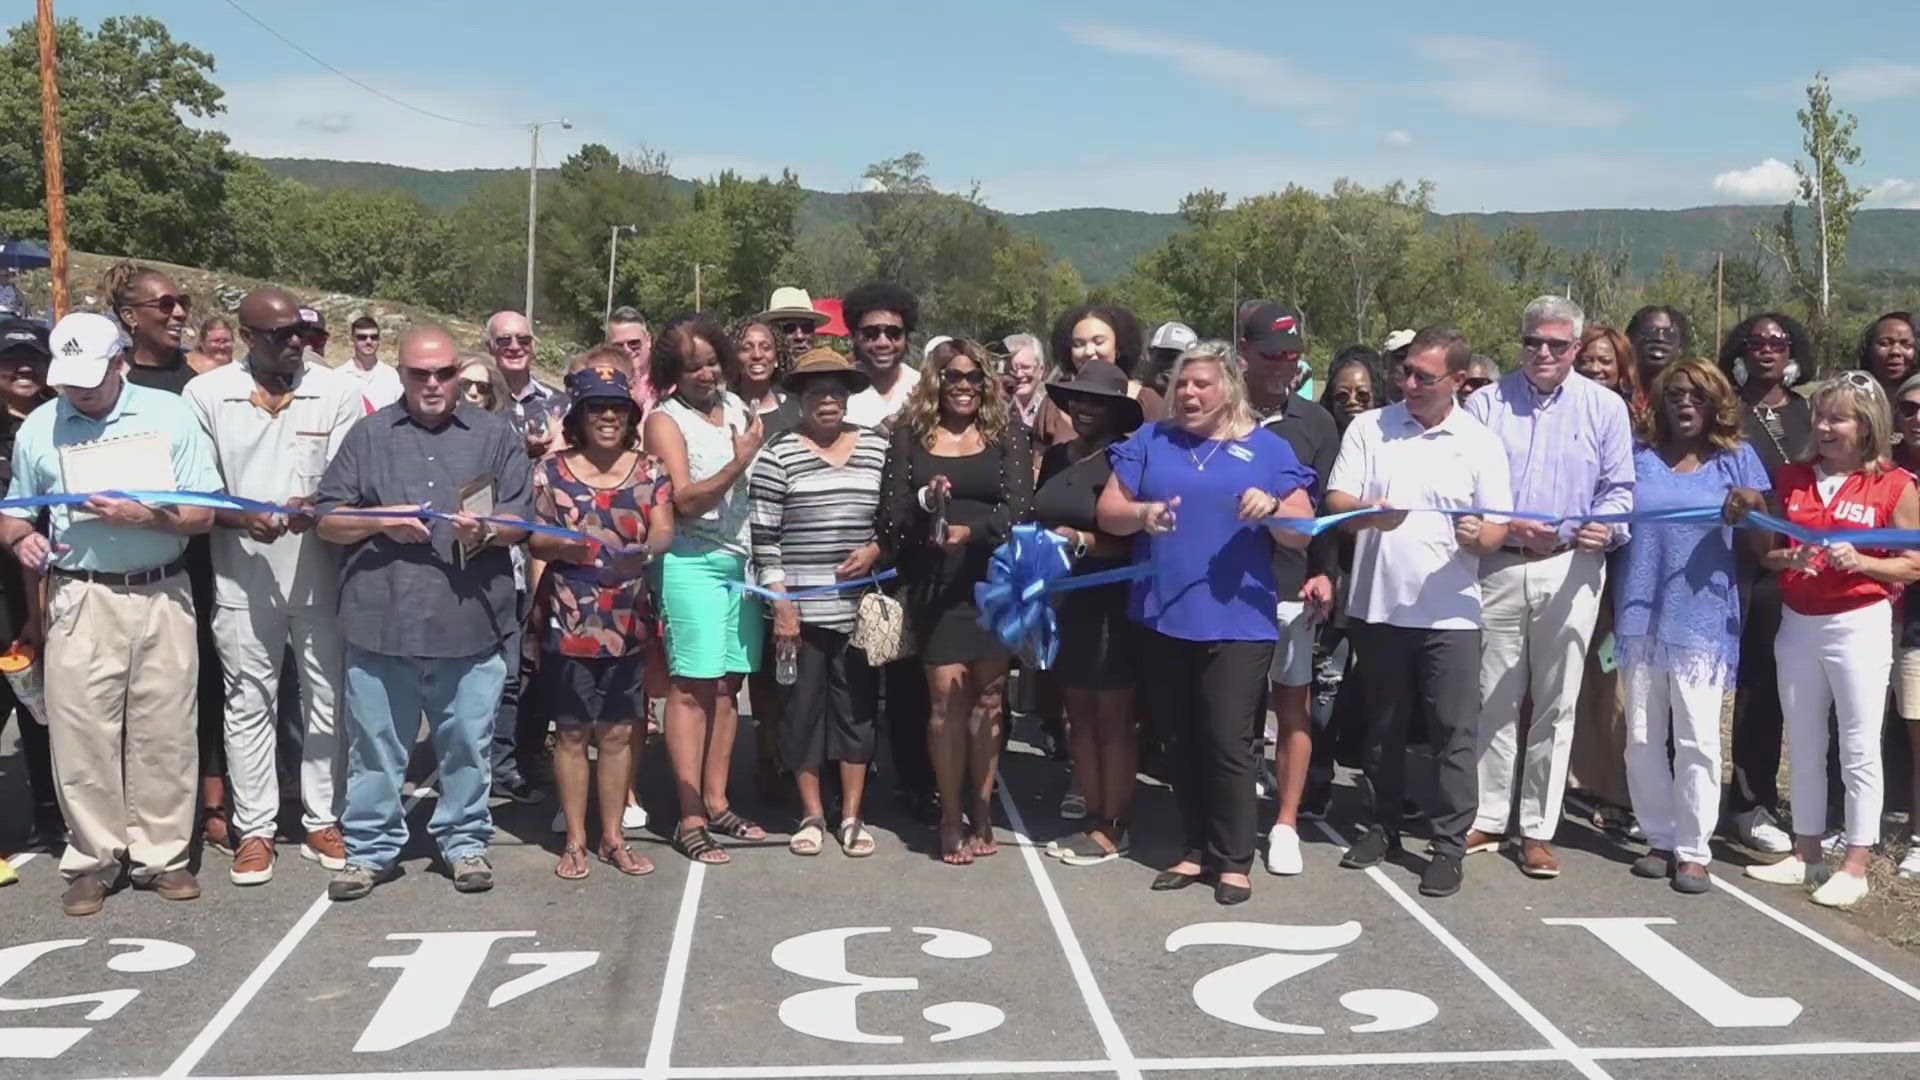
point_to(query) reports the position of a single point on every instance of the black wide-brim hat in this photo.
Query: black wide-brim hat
(1100, 379)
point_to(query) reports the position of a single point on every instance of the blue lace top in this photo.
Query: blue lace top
(1676, 594)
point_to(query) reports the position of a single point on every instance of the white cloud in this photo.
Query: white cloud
(1771, 181)
(1398, 137)
(1872, 79)
(1260, 78)
(1512, 80)
(1895, 193)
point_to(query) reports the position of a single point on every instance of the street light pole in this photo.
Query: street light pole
(613, 245)
(533, 192)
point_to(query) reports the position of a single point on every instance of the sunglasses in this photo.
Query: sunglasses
(476, 386)
(954, 377)
(167, 303)
(1687, 396)
(797, 327)
(525, 341)
(875, 333)
(1363, 397)
(1666, 335)
(632, 344)
(281, 335)
(432, 374)
(375, 336)
(1859, 380)
(1470, 385)
(1909, 409)
(1421, 378)
(1769, 343)
(1534, 343)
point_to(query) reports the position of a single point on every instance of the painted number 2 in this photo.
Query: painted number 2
(832, 1012)
(1232, 993)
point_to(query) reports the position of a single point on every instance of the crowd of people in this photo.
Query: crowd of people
(1536, 578)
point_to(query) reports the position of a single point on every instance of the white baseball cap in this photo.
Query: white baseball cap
(1174, 335)
(935, 342)
(84, 345)
(1399, 339)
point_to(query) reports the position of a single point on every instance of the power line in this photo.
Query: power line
(295, 46)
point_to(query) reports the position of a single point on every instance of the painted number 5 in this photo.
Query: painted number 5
(1232, 993)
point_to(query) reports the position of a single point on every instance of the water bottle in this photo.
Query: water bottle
(786, 661)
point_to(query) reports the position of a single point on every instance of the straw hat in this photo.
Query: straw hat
(790, 303)
(823, 361)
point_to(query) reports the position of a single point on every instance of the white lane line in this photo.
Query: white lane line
(917, 1068)
(22, 859)
(666, 1017)
(1353, 1060)
(1556, 1038)
(1119, 1054)
(1821, 1049)
(257, 978)
(1816, 937)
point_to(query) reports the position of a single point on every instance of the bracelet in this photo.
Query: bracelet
(1141, 512)
(1079, 544)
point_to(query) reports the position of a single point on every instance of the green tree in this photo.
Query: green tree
(1597, 279)
(139, 180)
(1528, 260)
(1373, 233)
(1827, 136)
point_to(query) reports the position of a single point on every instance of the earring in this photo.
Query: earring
(1740, 371)
(1791, 374)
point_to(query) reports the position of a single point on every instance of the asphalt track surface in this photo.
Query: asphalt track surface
(778, 966)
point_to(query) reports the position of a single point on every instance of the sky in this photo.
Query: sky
(1051, 104)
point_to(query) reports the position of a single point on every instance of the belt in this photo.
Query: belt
(1536, 556)
(134, 578)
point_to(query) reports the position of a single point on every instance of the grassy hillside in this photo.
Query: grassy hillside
(1103, 243)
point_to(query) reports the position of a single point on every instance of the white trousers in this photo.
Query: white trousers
(1677, 802)
(252, 642)
(1536, 618)
(1840, 662)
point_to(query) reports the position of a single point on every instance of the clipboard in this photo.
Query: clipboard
(140, 462)
(476, 498)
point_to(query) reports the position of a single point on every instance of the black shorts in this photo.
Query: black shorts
(832, 705)
(602, 690)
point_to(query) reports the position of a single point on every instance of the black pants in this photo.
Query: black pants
(831, 707)
(1212, 695)
(36, 752)
(1757, 722)
(1437, 673)
(908, 706)
(211, 726)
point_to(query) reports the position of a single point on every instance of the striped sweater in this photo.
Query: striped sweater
(807, 516)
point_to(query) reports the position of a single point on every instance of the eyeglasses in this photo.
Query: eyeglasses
(503, 341)
(1534, 343)
(875, 333)
(432, 374)
(1909, 409)
(1686, 395)
(281, 335)
(954, 376)
(1759, 343)
(167, 303)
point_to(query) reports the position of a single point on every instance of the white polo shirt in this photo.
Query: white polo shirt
(869, 408)
(1417, 576)
(379, 384)
(272, 458)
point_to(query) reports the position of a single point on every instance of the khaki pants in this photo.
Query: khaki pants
(1537, 618)
(122, 670)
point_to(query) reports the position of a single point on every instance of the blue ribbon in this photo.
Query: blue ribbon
(1676, 515)
(817, 592)
(1031, 565)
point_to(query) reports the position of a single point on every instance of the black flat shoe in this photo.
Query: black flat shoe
(1228, 895)
(1169, 881)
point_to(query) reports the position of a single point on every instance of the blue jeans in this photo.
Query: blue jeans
(385, 697)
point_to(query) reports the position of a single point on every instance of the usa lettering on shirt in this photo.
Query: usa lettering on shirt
(1851, 511)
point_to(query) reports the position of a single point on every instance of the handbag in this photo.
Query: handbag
(880, 628)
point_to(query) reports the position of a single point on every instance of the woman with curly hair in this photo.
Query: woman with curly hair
(957, 462)
(1765, 357)
(1677, 616)
(1607, 357)
(1086, 332)
(705, 439)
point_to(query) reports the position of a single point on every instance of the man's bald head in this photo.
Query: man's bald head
(268, 307)
(426, 339)
(275, 330)
(429, 365)
(510, 340)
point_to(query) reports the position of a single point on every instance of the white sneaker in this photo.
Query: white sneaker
(1842, 890)
(1283, 851)
(633, 818)
(1910, 866)
(1833, 843)
(1763, 835)
(1788, 871)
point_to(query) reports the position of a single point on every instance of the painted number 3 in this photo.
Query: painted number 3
(832, 1012)
(1232, 993)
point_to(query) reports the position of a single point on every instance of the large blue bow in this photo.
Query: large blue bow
(1023, 572)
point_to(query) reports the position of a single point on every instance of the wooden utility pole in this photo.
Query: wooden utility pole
(696, 286)
(1719, 295)
(55, 173)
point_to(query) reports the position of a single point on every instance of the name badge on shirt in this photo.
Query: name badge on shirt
(1244, 453)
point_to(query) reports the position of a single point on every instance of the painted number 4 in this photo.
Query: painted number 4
(434, 980)
(1232, 993)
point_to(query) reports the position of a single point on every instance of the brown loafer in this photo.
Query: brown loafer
(1537, 859)
(1476, 841)
(176, 885)
(84, 896)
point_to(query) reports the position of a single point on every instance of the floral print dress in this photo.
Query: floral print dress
(585, 617)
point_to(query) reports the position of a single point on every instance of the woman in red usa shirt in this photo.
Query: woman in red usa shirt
(1835, 647)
